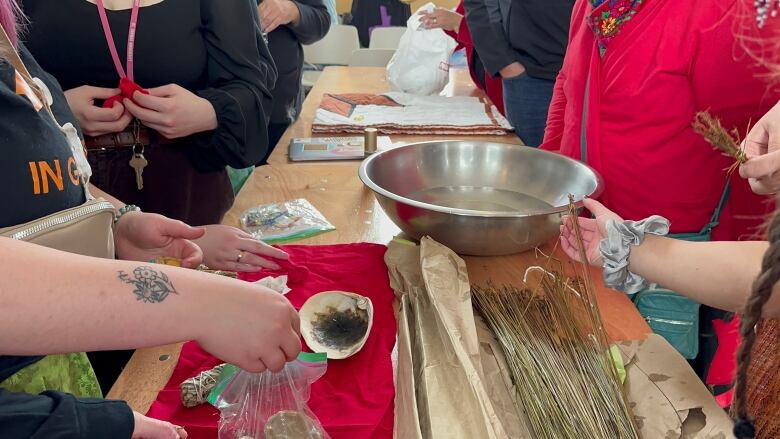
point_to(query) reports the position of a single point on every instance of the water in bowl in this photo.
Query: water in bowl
(479, 198)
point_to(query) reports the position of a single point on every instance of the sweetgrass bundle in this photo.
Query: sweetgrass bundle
(558, 354)
(720, 138)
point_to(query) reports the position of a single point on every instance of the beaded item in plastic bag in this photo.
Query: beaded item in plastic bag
(282, 222)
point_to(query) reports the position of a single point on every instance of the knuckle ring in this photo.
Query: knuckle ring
(240, 255)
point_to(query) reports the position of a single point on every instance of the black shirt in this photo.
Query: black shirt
(368, 14)
(37, 162)
(211, 47)
(531, 32)
(285, 45)
(35, 181)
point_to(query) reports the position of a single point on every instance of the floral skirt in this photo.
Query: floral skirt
(68, 373)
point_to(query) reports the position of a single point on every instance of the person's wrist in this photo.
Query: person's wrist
(512, 70)
(209, 120)
(208, 308)
(648, 252)
(127, 209)
(616, 247)
(70, 97)
(123, 234)
(196, 300)
(293, 12)
(456, 27)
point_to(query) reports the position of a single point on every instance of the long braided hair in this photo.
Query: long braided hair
(759, 296)
(761, 44)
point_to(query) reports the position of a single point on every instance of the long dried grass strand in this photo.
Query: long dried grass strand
(557, 351)
(558, 354)
(560, 376)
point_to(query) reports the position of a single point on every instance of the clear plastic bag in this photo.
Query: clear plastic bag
(420, 65)
(283, 222)
(269, 405)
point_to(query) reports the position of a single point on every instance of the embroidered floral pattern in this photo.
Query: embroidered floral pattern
(608, 17)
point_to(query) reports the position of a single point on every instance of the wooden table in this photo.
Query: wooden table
(369, 80)
(336, 191)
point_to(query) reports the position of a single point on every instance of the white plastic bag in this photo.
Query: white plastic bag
(421, 64)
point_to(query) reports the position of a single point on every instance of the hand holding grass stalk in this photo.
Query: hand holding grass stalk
(727, 142)
(762, 147)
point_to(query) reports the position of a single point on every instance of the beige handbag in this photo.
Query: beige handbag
(86, 229)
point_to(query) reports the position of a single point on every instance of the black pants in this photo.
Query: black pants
(275, 132)
(172, 185)
(108, 366)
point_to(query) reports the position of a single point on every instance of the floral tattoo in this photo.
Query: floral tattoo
(150, 286)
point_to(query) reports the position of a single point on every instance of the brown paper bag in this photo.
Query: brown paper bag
(666, 396)
(440, 391)
(453, 381)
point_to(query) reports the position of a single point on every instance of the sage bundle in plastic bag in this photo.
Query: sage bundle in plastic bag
(195, 390)
(269, 405)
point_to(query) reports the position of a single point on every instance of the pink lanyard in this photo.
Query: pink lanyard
(130, 38)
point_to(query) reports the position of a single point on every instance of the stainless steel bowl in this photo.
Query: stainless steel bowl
(477, 198)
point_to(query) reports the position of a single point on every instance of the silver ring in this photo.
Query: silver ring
(240, 255)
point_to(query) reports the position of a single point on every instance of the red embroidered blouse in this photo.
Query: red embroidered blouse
(670, 60)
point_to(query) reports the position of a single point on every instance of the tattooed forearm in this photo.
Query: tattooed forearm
(149, 285)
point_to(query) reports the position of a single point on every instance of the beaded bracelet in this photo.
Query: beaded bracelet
(125, 209)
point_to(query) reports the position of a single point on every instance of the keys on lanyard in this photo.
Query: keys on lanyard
(138, 162)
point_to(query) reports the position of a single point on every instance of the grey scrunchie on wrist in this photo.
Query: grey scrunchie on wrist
(616, 247)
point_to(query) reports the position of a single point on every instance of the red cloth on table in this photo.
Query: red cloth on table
(355, 398)
(493, 87)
